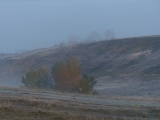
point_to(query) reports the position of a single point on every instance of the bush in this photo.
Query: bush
(86, 84)
(29, 79)
(91, 80)
(38, 79)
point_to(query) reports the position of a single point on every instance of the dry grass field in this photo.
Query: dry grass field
(24, 104)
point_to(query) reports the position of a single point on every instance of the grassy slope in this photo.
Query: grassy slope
(136, 58)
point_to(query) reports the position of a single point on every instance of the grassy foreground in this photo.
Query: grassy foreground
(16, 104)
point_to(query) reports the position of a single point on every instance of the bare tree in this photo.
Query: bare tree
(73, 39)
(62, 44)
(109, 34)
(93, 36)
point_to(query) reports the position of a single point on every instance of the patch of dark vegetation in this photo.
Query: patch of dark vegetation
(15, 114)
(119, 114)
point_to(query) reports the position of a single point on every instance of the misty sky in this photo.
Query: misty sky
(31, 24)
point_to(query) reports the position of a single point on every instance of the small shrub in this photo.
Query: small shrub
(84, 86)
(38, 79)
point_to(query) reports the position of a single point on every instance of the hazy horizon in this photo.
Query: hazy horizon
(32, 24)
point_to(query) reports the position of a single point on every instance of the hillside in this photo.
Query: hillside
(131, 64)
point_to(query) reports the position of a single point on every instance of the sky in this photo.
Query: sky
(32, 24)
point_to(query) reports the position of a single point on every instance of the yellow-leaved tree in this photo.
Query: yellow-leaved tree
(68, 77)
